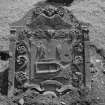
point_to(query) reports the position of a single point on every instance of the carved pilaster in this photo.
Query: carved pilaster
(12, 47)
(86, 56)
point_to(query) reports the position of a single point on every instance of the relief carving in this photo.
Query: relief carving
(49, 56)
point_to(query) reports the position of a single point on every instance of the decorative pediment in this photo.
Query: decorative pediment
(48, 17)
(44, 22)
(52, 18)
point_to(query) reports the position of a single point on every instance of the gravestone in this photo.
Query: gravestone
(50, 54)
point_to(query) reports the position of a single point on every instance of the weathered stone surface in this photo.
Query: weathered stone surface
(90, 11)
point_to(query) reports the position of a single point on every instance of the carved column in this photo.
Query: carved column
(11, 75)
(33, 59)
(86, 71)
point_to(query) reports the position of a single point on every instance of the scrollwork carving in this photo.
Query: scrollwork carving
(37, 11)
(21, 76)
(60, 11)
(21, 56)
(21, 60)
(78, 47)
(21, 48)
(78, 59)
(46, 34)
